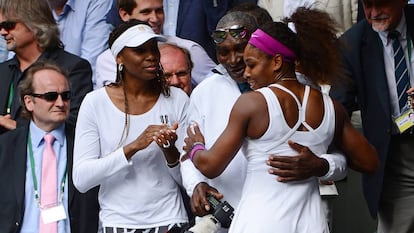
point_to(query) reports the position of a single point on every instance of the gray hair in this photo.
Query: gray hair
(240, 18)
(37, 16)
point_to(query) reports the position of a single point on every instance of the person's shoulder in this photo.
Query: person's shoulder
(67, 59)
(357, 31)
(8, 62)
(11, 137)
(409, 15)
(214, 84)
(178, 93)
(217, 76)
(105, 56)
(97, 94)
(181, 42)
(73, 57)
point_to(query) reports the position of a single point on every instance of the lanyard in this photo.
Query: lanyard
(10, 100)
(409, 41)
(409, 44)
(32, 168)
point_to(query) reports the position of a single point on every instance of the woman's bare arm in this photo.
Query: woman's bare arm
(361, 155)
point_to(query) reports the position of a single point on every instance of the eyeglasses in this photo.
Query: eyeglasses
(8, 25)
(236, 31)
(53, 95)
(179, 74)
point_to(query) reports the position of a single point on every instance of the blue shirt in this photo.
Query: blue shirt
(83, 28)
(3, 50)
(31, 210)
(171, 14)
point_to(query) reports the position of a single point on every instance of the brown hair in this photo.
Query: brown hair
(314, 42)
(127, 5)
(37, 16)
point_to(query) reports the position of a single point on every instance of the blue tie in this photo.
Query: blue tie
(401, 71)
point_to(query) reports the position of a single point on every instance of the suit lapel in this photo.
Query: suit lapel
(374, 69)
(69, 148)
(4, 89)
(182, 13)
(409, 18)
(19, 164)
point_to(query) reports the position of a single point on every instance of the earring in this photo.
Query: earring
(160, 72)
(120, 67)
(160, 67)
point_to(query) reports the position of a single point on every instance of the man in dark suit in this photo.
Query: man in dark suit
(32, 34)
(368, 59)
(46, 97)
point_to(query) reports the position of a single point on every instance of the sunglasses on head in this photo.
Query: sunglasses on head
(236, 31)
(53, 95)
(7, 25)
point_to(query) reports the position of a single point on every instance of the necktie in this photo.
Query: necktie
(401, 71)
(48, 195)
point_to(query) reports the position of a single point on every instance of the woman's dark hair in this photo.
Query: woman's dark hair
(315, 43)
(159, 83)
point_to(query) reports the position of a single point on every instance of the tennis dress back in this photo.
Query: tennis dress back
(269, 206)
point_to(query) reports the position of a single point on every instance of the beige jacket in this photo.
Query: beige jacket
(343, 11)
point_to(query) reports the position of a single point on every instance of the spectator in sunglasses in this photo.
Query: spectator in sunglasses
(32, 34)
(177, 65)
(45, 95)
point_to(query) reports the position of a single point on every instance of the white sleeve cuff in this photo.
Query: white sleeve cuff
(191, 176)
(337, 167)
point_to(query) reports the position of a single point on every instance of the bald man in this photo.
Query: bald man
(177, 65)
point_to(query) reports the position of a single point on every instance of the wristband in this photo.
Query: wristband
(196, 147)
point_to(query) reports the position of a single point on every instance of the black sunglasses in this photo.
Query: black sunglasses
(53, 95)
(236, 31)
(7, 25)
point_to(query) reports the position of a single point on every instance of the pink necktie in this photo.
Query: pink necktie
(48, 195)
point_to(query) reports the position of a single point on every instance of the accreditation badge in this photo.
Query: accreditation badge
(405, 120)
(53, 213)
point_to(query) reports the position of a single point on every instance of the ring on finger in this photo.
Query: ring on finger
(166, 145)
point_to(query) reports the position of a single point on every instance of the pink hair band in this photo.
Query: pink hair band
(271, 46)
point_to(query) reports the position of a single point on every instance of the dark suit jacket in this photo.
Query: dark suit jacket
(83, 208)
(363, 62)
(80, 78)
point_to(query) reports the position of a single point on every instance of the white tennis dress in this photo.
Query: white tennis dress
(269, 206)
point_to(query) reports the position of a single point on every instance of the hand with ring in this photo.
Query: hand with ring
(166, 136)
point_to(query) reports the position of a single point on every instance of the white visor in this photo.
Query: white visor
(134, 37)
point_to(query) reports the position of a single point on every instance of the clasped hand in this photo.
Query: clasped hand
(193, 135)
(165, 136)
